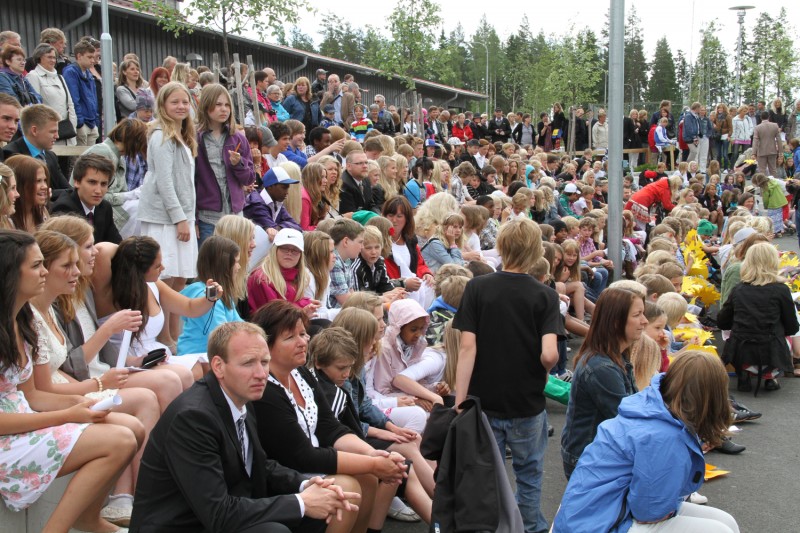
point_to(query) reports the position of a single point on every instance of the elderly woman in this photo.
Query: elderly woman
(275, 94)
(12, 77)
(46, 81)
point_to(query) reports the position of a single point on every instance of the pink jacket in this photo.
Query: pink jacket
(390, 363)
(261, 291)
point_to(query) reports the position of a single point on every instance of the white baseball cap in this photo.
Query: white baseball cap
(570, 188)
(288, 236)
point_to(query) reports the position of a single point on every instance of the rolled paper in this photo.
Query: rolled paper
(123, 348)
(108, 403)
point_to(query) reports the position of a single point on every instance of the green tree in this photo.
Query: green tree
(711, 76)
(410, 52)
(300, 40)
(663, 83)
(636, 67)
(517, 66)
(572, 82)
(341, 40)
(683, 74)
(227, 17)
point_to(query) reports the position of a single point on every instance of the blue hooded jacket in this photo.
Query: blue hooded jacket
(643, 463)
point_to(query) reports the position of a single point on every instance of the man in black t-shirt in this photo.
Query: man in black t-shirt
(506, 355)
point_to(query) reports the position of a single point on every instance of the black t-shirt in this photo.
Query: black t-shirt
(509, 314)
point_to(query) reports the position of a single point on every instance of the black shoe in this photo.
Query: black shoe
(550, 430)
(741, 413)
(771, 384)
(744, 384)
(745, 415)
(729, 447)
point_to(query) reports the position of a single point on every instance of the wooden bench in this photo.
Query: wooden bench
(69, 151)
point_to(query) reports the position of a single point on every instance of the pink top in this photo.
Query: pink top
(261, 291)
(305, 214)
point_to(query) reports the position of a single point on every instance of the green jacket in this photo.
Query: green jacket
(773, 195)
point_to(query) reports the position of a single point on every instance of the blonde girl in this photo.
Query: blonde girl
(293, 202)
(571, 277)
(333, 173)
(8, 195)
(445, 246)
(168, 201)
(319, 256)
(314, 205)
(242, 231)
(445, 174)
(387, 180)
(402, 167)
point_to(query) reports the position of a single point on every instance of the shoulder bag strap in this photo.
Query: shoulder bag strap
(66, 93)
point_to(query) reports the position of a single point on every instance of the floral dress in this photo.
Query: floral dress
(29, 462)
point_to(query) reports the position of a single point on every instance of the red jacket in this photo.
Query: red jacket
(464, 134)
(417, 266)
(656, 192)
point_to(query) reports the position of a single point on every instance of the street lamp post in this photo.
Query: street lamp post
(486, 80)
(740, 13)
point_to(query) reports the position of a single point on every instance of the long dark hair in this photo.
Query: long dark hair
(134, 257)
(399, 203)
(607, 330)
(14, 245)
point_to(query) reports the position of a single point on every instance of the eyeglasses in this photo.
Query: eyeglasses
(289, 250)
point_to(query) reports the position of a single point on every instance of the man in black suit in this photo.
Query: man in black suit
(499, 127)
(356, 194)
(9, 119)
(203, 469)
(469, 156)
(92, 174)
(39, 133)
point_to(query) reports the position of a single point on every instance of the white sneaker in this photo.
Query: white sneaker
(698, 499)
(119, 509)
(401, 512)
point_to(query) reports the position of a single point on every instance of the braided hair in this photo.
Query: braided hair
(134, 257)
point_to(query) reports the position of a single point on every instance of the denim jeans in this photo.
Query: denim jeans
(527, 440)
(561, 366)
(722, 153)
(597, 283)
(206, 231)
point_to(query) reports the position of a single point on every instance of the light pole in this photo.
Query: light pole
(740, 13)
(486, 80)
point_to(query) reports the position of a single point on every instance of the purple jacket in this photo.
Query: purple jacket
(209, 197)
(257, 210)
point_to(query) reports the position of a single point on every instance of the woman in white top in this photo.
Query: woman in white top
(126, 277)
(61, 259)
(49, 83)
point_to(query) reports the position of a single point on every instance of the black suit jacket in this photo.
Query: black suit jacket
(104, 228)
(57, 179)
(503, 126)
(350, 197)
(193, 478)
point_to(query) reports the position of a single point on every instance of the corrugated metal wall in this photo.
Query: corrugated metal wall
(132, 32)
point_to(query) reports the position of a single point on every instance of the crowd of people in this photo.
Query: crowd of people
(276, 306)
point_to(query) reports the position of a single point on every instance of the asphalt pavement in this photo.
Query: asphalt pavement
(763, 486)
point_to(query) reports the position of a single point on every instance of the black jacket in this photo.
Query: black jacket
(57, 179)
(104, 228)
(372, 279)
(472, 490)
(292, 446)
(193, 478)
(351, 199)
(501, 125)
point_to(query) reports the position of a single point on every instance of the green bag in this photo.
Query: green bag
(557, 390)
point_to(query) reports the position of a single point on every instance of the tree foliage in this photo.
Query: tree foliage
(711, 75)
(227, 17)
(663, 83)
(636, 66)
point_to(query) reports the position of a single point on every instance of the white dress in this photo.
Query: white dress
(52, 352)
(30, 462)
